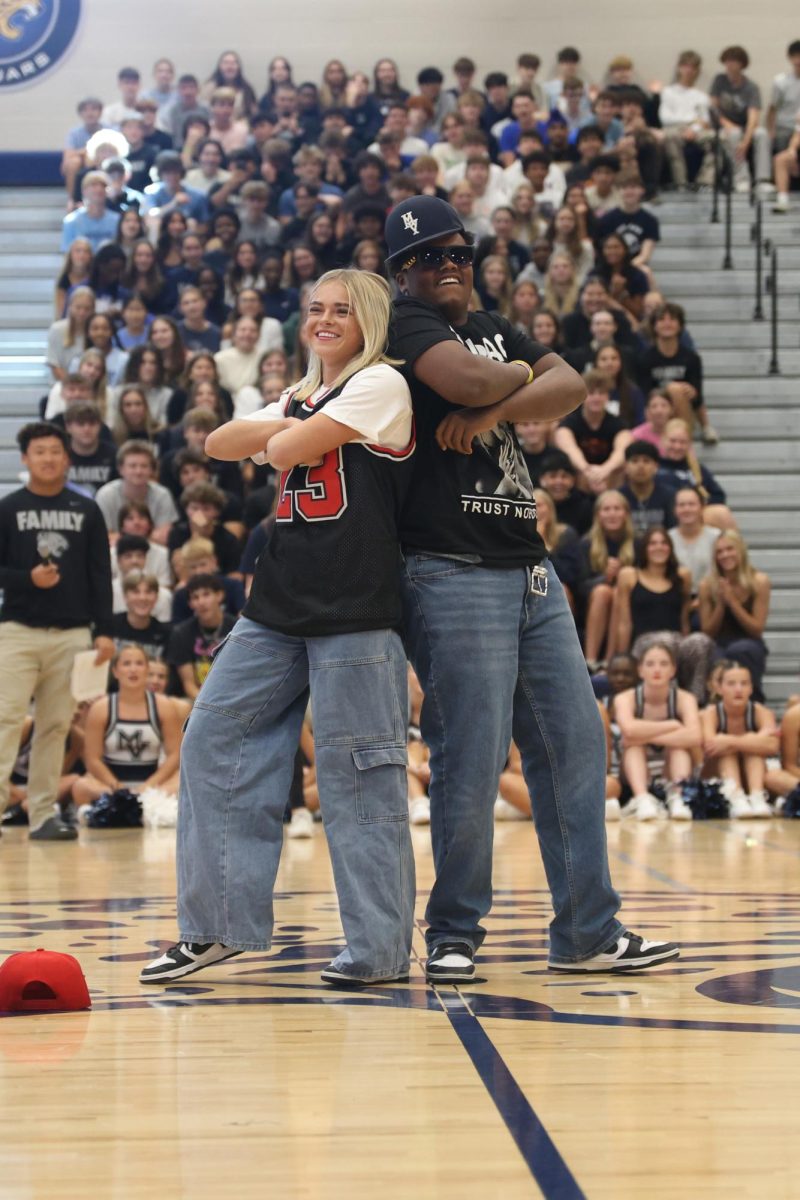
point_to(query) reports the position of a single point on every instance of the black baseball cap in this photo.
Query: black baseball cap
(420, 220)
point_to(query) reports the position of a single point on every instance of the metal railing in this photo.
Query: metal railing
(723, 183)
(772, 291)
(764, 246)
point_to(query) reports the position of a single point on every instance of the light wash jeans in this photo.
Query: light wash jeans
(493, 659)
(236, 770)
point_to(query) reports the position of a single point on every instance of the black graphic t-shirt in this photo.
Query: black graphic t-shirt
(68, 530)
(634, 228)
(189, 642)
(479, 505)
(595, 444)
(91, 471)
(656, 370)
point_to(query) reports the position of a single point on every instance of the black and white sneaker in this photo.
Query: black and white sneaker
(450, 962)
(631, 953)
(333, 975)
(184, 958)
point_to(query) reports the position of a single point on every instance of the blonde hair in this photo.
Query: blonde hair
(598, 546)
(504, 298)
(101, 383)
(561, 304)
(197, 548)
(370, 303)
(691, 458)
(70, 332)
(527, 228)
(554, 532)
(745, 573)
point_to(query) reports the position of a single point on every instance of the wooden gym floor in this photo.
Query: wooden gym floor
(254, 1080)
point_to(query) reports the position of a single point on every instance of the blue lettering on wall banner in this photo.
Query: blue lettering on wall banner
(34, 36)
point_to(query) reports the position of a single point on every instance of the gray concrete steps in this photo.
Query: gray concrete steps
(726, 308)
(23, 315)
(756, 422)
(777, 687)
(30, 266)
(784, 649)
(779, 391)
(52, 197)
(37, 288)
(668, 257)
(22, 375)
(21, 398)
(30, 217)
(748, 364)
(764, 528)
(783, 610)
(783, 567)
(712, 237)
(744, 334)
(777, 456)
(713, 282)
(14, 342)
(38, 241)
(762, 491)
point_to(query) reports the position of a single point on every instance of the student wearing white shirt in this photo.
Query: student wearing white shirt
(684, 113)
(784, 104)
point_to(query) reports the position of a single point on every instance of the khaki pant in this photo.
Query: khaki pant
(36, 663)
(673, 146)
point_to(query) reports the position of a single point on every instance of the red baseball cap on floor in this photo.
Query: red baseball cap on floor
(42, 981)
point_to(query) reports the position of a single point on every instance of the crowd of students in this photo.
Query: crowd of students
(200, 217)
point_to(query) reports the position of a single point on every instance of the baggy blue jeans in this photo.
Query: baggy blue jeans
(494, 658)
(236, 770)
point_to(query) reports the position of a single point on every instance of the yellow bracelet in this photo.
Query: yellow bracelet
(520, 362)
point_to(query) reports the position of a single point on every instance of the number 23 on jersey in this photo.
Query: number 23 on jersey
(317, 493)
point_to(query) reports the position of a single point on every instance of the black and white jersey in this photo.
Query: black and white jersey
(479, 505)
(749, 718)
(332, 562)
(131, 749)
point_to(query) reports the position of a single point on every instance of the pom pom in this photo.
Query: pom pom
(159, 809)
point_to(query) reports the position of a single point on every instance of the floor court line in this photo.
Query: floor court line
(534, 1143)
(653, 873)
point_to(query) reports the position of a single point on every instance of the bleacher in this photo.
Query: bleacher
(755, 413)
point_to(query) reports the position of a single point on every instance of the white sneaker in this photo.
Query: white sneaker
(503, 811)
(759, 806)
(419, 812)
(740, 806)
(766, 188)
(645, 807)
(630, 953)
(781, 204)
(613, 810)
(743, 187)
(677, 808)
(301, 824)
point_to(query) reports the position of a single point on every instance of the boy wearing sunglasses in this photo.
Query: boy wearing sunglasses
(488, 628)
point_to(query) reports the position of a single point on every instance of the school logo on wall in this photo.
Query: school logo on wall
(34, 36)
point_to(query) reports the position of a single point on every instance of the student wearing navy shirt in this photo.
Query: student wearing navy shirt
(651, 502)
(638, 228)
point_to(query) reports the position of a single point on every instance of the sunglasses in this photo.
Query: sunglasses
(434, 256)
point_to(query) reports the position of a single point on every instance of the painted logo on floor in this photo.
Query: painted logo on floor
(759, 972)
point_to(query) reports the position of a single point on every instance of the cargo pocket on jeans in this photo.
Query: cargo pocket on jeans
(380, 784)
